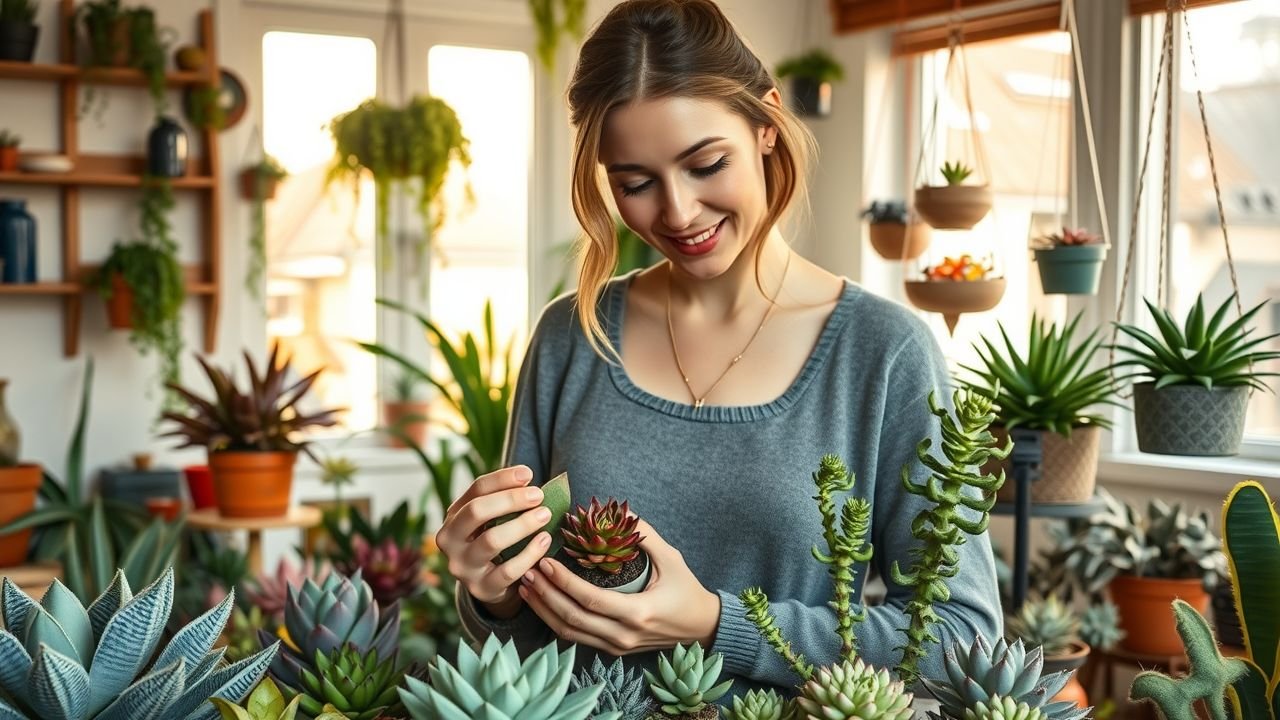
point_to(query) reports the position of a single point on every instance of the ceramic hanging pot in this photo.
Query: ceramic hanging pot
(899, 241)
(1071, 269)
(954, 297)
(953, 207)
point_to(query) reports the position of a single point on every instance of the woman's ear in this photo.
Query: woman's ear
(768, 135)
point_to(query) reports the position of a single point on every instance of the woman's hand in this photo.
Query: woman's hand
(471, 545)
(675, 608)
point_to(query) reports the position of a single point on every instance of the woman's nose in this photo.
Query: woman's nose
(680, 207)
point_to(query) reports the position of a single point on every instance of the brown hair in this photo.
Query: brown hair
(647, 49)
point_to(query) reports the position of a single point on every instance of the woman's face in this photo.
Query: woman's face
(688, 177)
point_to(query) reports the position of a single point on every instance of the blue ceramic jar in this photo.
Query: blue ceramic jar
(167, 149)
(17, 242)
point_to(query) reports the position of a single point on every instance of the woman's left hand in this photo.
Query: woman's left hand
(675, 608)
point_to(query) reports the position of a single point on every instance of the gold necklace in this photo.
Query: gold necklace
(698, 402)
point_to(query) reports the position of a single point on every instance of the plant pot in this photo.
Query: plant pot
(1071, 269)
(1073, 660)
(120, 304)
(1189, 420)
(1146, 611)
(638, 570)
(200, 486)
(249, 182)
(18, 488)
(398, 414)
(953, 207)
(18, 40)
(114, 44)
(9, 158)
(953, 297)
(810, 98)
(899, 241)
(252, 483)
(165, 508)
(1068, 467)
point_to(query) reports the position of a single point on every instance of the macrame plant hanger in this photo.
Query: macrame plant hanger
(1174, 10)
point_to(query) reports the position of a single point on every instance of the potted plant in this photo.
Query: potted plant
(18, 29)
(1052, 390)
(258, 183)
(251, 436)
(603, 546)
(896, 234)
(9, 151)
(956, 285)
(1196, 379)
(19, 483)
(685, 683)
(1070, 262)
(1050, 625)
(811, 76)
(954, 206)
(548, 24)
(405, 412)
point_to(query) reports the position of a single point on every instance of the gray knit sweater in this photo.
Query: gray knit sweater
(732, 487)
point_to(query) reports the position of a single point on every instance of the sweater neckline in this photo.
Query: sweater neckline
(617, 308)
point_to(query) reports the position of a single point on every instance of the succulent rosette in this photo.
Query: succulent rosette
(603, 537)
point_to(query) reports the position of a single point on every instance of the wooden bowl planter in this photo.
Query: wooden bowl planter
(1068, 466)
(1189, 420)
(953, 207)
(899, 241)
(409, 418)
(1145, 614)
(1071, 269)
(1073, 659)
(252, 483)
(953, 297)
(18, 488)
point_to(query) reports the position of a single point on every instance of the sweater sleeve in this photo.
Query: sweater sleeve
(916, 369)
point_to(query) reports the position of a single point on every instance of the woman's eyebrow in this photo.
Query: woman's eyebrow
(632, 167)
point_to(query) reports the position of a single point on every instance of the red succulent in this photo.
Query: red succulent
(602, 536)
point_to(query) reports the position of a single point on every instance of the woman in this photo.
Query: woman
(706, 388)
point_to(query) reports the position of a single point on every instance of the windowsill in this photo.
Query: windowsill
(1175, 472)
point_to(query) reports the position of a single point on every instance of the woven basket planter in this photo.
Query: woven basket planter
(1068, 467)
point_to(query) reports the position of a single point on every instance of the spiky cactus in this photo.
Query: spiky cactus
(360, 686)
(496, 685)
(980, 672)
(602, 536)
(1045, 622)
(1002, 708)
(967, 444)
(1211, 674)
(61, 661)
(853, 691)
(622, 690)
(1100, 625)
(757, 705)
(686, 681)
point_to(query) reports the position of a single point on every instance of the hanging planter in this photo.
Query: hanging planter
(1070, 262)
(260, 181)
(953, 206)
(811, 77)
(894, 233)
(955, 286)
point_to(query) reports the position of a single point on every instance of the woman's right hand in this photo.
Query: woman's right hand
(472, 546)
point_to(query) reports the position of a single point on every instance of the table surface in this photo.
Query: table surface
(299, 516)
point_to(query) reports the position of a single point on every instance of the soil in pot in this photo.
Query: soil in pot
(252, 484)
(1146, 613)
(1189, 420)
(631, 578)
(1068, 467)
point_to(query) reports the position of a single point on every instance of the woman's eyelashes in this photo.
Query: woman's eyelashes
(705, 171)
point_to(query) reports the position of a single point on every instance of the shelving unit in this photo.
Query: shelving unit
(204, 279)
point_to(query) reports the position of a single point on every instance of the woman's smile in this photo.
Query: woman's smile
(699, 244)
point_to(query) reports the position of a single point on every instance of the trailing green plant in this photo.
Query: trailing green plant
(551, 19)
(888, 211)
(1211, 677)
(496, 685)
(420, 142)
(90, 536)
(817, 65)
(967, 445)
(1046, 623)
(955, 173)
(685, 681)
(9, 139)
(359, 685)
(1100, 625)
(19, 11)
(204, 107)
(980, 673)
(757, 705)
(264, 703)
(1051, 388)
(63, 660)
(622, 690)
(147, 50)
(1202, 353)
(266, 172)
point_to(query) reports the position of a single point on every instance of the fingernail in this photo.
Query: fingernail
(523, 473)
(545, 566)
(528, 578)
(542, 514)
(544, 538)
(533, 494)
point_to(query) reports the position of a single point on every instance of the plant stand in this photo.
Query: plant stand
(301, 517)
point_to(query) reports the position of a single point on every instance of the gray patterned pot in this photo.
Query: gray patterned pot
(1189, 420)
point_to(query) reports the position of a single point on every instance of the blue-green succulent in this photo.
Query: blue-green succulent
(622, 690)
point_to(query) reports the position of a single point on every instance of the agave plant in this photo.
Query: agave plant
(1200, 353)
(1052, 387)
(622, 690)
(955, 172)
(323, 618)
(266, 417)
(1046, 623)
(496, 685)
(1100, 625)
(686, 682)
(978, 673)
(757, 705)
(603, 537)
(1002, 708)
(62, 661)
(360, 686)
(853, 691)
(270, 592)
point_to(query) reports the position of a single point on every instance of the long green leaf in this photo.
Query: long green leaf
(75, 453)
(1251, 540)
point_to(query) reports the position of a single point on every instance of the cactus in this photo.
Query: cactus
(1251, 538)
(1211, 674)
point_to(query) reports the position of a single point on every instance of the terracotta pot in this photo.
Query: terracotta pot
(395, 413)
(890, 239)
(18, 488)
(200, 485)
(1146, 611)
(120, 304)
(1068, 467)
(252, 483)
(953, 207)
(248, 185)
(953, 297)
(1073, 659)
(9, 159)
(166, 508)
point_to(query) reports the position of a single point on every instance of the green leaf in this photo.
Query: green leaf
(1251, 541)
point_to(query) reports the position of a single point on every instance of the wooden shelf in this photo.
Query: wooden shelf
(44, 72)
(40, 288)
(190, 182)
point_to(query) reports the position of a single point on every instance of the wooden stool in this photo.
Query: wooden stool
(299, 516)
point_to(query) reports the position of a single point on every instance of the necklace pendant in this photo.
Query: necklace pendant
(697, 404)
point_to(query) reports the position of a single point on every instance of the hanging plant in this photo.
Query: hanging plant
(957, 285)
(1070, 262)
(124, 37)
(258, 184)
(549, 27)
(895, 232)
(418, 142)
(811, 77)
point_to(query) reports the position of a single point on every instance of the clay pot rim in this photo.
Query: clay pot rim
(21, 477)
(1079, 651)
(1150, 583)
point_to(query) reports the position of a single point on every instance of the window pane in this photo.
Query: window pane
(1237, 51)
(321, 280)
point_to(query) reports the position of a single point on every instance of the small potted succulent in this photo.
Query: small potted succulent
(9, 143)
(895, 233)
(18, 29)
(1070, 262)
(956, 285)
(404, 412)
(1195, 379)
(685, 683)
(1052, 390)
(251, 435)
(1047, 623)
(603, 546)
(953, 206)
(811, 77)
